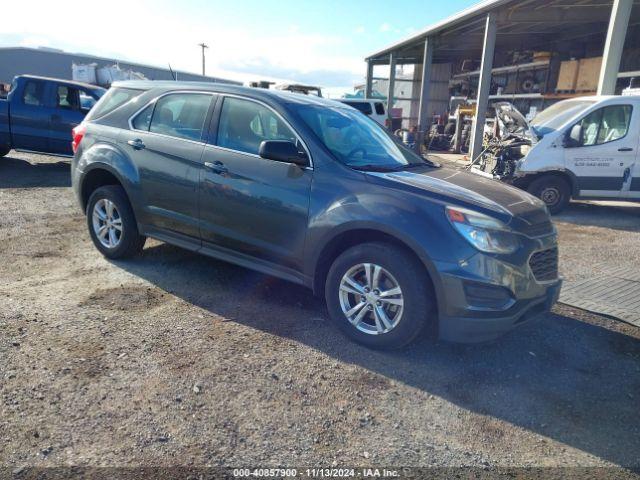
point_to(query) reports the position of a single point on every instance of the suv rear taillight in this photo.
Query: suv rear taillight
(77, 134)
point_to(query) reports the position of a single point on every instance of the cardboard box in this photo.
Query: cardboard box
(568, 75)
(588, 74)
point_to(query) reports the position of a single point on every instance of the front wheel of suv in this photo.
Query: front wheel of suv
(111, 223)
(379, 295)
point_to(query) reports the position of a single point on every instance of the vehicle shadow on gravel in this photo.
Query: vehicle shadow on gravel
(19, 173)
(562, 378)
(618, 217)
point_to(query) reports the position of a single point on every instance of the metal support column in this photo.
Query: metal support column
(392, 86)
(423, 112)
(368, 85)
(477, 130)
(618, 23)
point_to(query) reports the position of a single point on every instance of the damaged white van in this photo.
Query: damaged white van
(584, 148)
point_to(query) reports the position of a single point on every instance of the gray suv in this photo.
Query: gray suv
(314, 192)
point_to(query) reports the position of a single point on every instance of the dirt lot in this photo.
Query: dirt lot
(173, 358)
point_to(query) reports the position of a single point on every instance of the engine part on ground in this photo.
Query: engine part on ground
(500, 156)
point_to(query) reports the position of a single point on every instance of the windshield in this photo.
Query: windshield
(552, 118)
(356, 140)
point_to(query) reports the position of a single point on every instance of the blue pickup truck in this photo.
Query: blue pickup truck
(39, 113)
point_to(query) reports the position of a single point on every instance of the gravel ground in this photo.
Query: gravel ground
(177, 359)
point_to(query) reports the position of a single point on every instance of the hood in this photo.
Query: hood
(458, 187)
(512, 122)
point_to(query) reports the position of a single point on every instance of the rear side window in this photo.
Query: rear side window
(114, 98)
(379, 108)
(364, 107)
(67, 98)
(180, 115)
(245, 124)
(143, 119)
(33, 93)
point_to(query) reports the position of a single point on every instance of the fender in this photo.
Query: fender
(377, 227)
(108, 157)
(525, 178)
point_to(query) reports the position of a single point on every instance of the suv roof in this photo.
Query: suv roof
(281, 95)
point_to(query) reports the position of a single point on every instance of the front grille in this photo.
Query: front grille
(539, 229)
(544, 265)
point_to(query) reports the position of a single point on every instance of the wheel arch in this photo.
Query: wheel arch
(98, 175)
(566, 175)
(346, 239)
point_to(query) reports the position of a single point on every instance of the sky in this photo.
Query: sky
(316, 42)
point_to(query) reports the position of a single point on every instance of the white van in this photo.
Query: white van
(371, 107)
(585, 147)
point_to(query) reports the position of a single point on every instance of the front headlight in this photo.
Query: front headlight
(483, 232)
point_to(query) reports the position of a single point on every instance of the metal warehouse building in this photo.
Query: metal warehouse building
(56, 63)
(530, 52)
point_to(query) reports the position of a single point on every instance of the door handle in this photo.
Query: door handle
(137, 144)
(625, 149)
(217, 167)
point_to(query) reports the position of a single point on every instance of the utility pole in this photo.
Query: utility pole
(203, 46)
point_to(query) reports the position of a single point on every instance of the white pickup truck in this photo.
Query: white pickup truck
(585, 147)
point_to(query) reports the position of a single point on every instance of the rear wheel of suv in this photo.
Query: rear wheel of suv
(111, 223)
(554, 191)
(378, 295)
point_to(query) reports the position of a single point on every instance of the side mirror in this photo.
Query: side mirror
(283, 151)
(573, 137)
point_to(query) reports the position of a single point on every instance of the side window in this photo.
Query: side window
(605, 125)
(245, 124)
(143, 119)
(590, 126)
(33, 93)
(180, 115)
(67, 97)
(87, 101)
(615, 123)
(364, 107)
(379, 108)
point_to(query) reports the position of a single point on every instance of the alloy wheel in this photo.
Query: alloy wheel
(371, 299)
(107, 223)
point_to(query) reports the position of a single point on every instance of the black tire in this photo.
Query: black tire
(419, 302)
(553, 190)
(130, 242)
(450, 128)
(4, 151)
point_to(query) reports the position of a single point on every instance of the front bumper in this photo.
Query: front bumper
(505, 294)
(482, 326)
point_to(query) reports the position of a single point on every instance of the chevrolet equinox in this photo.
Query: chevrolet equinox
(316, 193)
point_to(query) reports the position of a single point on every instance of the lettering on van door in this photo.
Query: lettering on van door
(593, 162)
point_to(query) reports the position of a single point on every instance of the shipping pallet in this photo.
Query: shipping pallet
(575, 92)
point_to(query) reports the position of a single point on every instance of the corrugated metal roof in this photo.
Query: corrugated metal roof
(482, 7)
